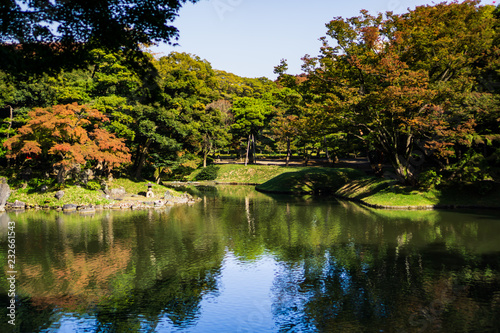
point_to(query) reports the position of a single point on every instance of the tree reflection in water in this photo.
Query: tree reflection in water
(330, 266)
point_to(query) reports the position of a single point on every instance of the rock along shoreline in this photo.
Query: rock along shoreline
(134, 202)
(19, 206)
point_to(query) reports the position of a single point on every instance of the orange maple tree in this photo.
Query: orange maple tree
(67, 135)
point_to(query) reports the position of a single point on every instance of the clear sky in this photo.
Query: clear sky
(250, 37)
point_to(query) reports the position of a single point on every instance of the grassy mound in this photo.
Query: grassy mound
(250, 174)
(140, 187)
(72, 195)
(384, 193)
(311, 181)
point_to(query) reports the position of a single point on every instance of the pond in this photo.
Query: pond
(243, 261)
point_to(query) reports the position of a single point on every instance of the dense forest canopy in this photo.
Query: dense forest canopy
(417, 91)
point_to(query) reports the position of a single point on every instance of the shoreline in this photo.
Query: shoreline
(384, 207)
(123, 194)
(134, 203)
(341, 183)
(340, 197)
(19, 206)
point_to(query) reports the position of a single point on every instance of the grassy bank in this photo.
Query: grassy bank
(250, 174)
(354, 185)
(381, 193)
(32, 196)
(313, 180)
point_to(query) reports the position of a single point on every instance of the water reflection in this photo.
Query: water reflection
(243, 261)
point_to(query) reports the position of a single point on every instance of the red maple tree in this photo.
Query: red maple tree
(67, 135)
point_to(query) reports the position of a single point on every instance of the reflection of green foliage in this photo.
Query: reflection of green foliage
(427, 216)
(372, 267)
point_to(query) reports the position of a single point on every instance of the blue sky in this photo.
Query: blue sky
(250, 37)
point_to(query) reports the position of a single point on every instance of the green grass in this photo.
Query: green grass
(141, 187)
(310, 180)
(385, 193)
(80, 195)
(254, 174)
(72, 195)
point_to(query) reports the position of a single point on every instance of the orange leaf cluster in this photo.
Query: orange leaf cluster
(71, 133)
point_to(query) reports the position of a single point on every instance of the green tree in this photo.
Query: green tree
(61, 33)
(285, 125)
(250, 117)
(6, 101)
(157, 133)
(188, 87)
(214, 127)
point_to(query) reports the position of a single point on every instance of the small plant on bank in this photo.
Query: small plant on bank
(92, 185)
(208, 173)
(39, 182)
(429, 179)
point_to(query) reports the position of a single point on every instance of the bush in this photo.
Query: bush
(429, 179)
(39, 182)
(208, 173)
(92, 185)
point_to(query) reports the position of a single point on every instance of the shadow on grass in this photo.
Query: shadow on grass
(363, 188)
(479, 194)
(318, 181)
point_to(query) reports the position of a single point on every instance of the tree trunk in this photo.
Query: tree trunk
(8, 129)
(207, 149)
(137, 157)
(326, 149)
(254, 155)
(288, 151)
(138, 172)
(10, 121)
(142, 160)
(405, 173)
(248, 149)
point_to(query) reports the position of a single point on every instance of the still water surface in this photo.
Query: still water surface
(242, 261)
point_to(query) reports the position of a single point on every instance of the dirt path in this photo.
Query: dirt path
(355, 163)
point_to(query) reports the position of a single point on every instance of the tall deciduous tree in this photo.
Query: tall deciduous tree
(214, 129)
(285, 125)
(114, 23)
(387, 77)
(66, 135)
(250, 115)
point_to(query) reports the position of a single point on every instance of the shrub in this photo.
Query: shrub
(208, 173)
(39, 182)
(92, 185)
(429, 179)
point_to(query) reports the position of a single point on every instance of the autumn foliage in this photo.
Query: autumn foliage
(67, 135)
(410, 86)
